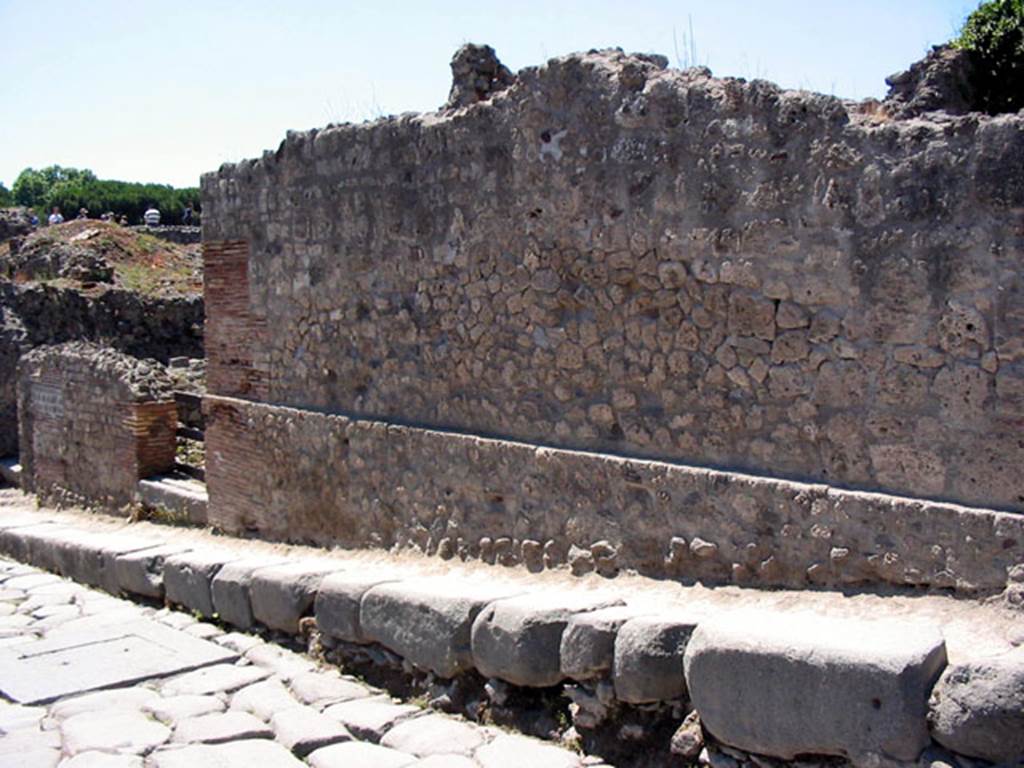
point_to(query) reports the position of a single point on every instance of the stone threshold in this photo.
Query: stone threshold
(775, 675)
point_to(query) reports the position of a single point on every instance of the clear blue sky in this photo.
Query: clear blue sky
(165, 91)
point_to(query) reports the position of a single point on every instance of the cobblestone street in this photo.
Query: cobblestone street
(179, 692)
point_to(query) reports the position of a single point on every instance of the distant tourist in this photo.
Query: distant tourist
(123, 221)
(83, 213)
(32, 218)
(151, 216)
(55, 217)
(186, 217)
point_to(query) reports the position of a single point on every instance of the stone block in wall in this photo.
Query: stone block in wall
(93, 422)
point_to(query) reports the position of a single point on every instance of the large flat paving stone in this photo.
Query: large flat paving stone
(187, 578)
(370, 719)
(434, 735)
(283, 594)
(588, 642)
(355, 754)
(519, 639)
(32, 757)
(219, 678)
(219, 727)
(91, 658)
(102, 760)
(173, 709)
(263, 699)
(785, 684)
(338, 602)
(429, 621)
(324, 688)
(304, 730)
(253, 753)
(649, 658)
(977, 708)
(131, 732)
(135, 699)
(519, 751)
(229, 590)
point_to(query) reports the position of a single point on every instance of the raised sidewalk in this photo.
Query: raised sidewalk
(867, 677)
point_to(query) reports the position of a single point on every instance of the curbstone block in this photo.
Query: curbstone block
(588, 643)
(282, 594)
(519, 639)
(187, 578)
(977, 708)
(786, 684)
(142, 572)
(229, 591)
(649, 658)
(429, 621)
(338, 603)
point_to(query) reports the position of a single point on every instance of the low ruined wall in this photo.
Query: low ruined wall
(93, 422)
(142, 326)
(613, 256)
(302, 476)
(181, 234)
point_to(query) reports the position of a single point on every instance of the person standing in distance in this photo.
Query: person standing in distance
(152, 216)
(55, 217)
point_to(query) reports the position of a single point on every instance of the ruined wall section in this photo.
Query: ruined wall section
(613, 256)
(93, 422)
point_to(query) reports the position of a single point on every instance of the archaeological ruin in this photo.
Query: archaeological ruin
(628, 316)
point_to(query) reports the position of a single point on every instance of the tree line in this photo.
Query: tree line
(73, 188)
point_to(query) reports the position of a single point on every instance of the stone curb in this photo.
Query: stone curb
(767, 685)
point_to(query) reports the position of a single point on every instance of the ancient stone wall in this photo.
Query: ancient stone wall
(142, 326)
(620, 257)
(320, 478)
(470, 330)
(93, 422)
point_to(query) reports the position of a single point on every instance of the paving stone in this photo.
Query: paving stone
(14, 717)
(283, 663)
(204, 630)
(519, 639)
(519, 751)
(338, 603)
(32, 581)
(263, 699)
(801, 683)
(283, 594)
(370, 718)
(218, 727)
(216, 679)
(326, 688)
(187, 578)
(977, 708)
(102, 760)
(142, 573)
(251, 753)
(447, 761)
(117, 700)
(33, 757)
(434, 735)
(237, 641)
(428, 622)
(588, 642)
(649, 658)
(174, 708)
(230, 591)
(354, 754)
(126, 732)
(28, 738)
(303, 730)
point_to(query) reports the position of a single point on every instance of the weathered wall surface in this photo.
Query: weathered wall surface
(613, 256)
(321, 478)
(36, 315)
(93, 422)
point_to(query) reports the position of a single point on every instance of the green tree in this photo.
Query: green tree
(6, 198)
(32, 187)
(994, 36)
